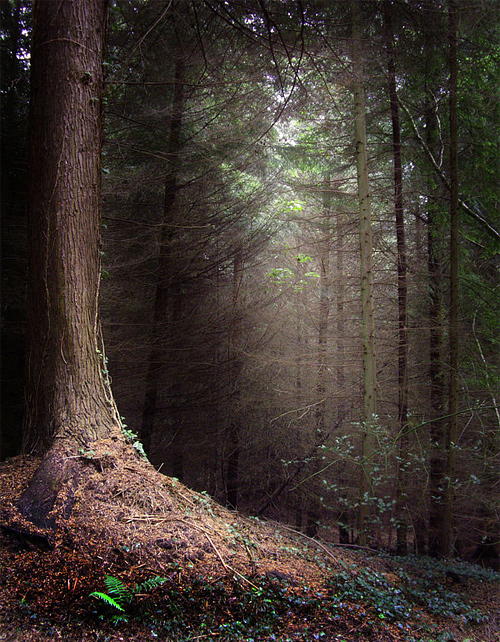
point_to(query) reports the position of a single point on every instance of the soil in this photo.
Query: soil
(224, 576)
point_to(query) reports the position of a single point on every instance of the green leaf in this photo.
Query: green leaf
(117, 588)
(107, 599)
(149, 585)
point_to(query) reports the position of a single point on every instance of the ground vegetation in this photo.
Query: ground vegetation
(250, 266)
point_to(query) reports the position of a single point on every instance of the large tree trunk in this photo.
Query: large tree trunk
(365, 232)
(68, 400)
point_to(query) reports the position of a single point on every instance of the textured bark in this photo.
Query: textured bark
(434, 268)
(68, 400)
(365, 230)
(324, 306)
(401, 525)
(66, 393)
(452, 432)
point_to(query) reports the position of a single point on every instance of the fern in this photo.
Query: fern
(120, 596)
(119, 590)
(149, 585)
(107, 599)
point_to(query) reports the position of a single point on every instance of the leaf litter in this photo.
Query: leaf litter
(224, 576)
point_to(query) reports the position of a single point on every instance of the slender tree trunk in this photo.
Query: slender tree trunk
(314, 503)
(401, 525)
(436, 377)
(235, 364)
(324, 306)
(434, 268)
(368, 329)
(452, 433)
(343, 516)
(340, 317)
(68, 400)
(487, 541)
(165, 284)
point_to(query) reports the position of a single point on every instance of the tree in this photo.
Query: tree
(452, 431)
(365, 234)
(402, 426)
(165, 289)
(435, 309)
(68, 401)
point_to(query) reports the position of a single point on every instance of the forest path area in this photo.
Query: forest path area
(181, 567)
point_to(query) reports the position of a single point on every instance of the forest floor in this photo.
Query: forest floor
(170, 564)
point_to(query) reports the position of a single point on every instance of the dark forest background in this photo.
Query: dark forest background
(235, 259)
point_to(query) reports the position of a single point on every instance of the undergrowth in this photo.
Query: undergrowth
(416, 584)
(417, 595)
(221, 609)
(122, 598)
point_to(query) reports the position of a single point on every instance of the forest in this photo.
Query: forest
(250, 284)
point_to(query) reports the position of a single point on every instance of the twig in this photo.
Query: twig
(494, 232)
(324, 547)
(229, 569)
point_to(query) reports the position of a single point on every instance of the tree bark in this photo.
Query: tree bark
(343, 513)
(401, 526)
(324, 306)
(68, 400)
(365, 229)
(235, 365)
(452, 432)
(434, 268)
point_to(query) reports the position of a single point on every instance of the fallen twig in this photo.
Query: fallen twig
(229, 569)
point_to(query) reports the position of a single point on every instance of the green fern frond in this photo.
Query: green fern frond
(120, 596)
(149, 585)
(107, 599)
(118, 589)
(118, 619)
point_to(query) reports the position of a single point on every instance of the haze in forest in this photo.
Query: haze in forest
(299, 264)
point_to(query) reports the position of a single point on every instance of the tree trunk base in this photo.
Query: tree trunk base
(53, 486)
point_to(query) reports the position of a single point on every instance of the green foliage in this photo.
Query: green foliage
(366, 585)
(437, 568)
(120, 597)
(107, 599)
(287, 277)
(280, 275)
(422, 582)
(86, 453)
(133, 439)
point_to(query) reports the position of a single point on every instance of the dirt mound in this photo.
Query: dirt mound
(224, 576)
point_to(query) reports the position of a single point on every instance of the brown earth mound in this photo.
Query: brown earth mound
(220, 569)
